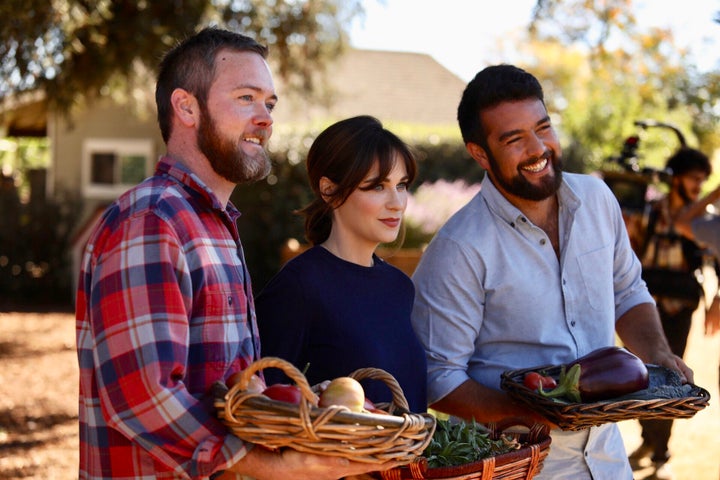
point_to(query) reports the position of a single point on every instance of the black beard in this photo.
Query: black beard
(520, 187)
(226, 157)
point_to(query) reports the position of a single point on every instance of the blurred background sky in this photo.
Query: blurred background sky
(466, 35)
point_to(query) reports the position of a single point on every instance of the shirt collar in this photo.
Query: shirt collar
(172, 167)
(498, 204)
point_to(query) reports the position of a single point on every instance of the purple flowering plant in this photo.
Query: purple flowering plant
(431, 205)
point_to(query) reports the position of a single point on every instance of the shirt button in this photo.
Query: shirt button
(572, 323)
(542, 241)
(523, 219)
(229, 300)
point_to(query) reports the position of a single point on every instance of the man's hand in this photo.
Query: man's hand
(682, 223)
(641, 332)
(674, 362)
(473, 401)
(263, 464)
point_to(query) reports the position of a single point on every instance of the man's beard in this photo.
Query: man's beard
(684, 195)
(519, 186)
(226, 156)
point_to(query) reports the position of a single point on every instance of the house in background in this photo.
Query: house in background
(397, 87)
(108, 147)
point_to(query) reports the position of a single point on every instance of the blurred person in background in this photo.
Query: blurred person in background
(672, 268)
(696, 223)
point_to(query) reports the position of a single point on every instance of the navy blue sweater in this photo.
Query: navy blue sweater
(339, 316)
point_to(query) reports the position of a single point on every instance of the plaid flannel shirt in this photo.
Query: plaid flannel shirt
(164, 309)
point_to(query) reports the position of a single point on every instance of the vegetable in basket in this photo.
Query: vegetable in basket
(347, 392)
(535, 381)
(602, 374)
(284, 393)
(344, 391)
(458, 442)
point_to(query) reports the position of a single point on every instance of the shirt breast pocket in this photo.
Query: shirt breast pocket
(596, 271)
(217, 322)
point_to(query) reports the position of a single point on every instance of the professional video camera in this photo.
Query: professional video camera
(630, 181)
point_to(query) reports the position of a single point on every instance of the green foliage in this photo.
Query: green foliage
(74, 50)
(268, 218)
(602, 73)
(458, 442)
(446, 160)
(303, 34)
(24, 155)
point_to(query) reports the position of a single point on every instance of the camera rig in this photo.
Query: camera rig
(630, 182)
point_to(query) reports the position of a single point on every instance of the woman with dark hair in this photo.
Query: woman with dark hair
(337, 306)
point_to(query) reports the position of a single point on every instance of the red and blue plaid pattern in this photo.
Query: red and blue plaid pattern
(164, 309)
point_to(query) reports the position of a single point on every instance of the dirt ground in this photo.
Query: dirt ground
(38, 396)
(38, 402)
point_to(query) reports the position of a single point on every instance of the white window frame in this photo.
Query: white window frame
(120, 147)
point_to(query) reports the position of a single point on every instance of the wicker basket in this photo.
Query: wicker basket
(577, 416)
(523, 463)
(334, 431)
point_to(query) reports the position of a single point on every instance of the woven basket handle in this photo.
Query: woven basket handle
(537, 431)
(399, 402)
(275, 362)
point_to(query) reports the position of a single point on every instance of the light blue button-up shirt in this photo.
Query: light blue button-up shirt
(492, 296)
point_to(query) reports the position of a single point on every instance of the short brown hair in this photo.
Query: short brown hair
(190, 65)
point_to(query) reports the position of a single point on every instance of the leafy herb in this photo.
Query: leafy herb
(457, 442)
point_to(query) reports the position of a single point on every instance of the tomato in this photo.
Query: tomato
(534, 381)
(284, 393)
(548, 383)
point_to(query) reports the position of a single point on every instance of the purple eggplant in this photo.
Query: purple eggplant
(604, 373)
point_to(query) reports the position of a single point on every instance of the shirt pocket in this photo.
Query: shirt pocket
(217, 323)
(218, 307)
(596, 271)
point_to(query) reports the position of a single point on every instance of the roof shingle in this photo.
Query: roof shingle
(393, 86)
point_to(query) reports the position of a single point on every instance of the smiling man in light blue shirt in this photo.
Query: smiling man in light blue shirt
(536, 269)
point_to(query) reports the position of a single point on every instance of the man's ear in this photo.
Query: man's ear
(327, 188)
(478, 154)
(185, 107)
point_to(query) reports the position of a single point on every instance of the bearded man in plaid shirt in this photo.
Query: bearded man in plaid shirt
(164, 305)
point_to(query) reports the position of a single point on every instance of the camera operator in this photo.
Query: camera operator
(671, 264)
